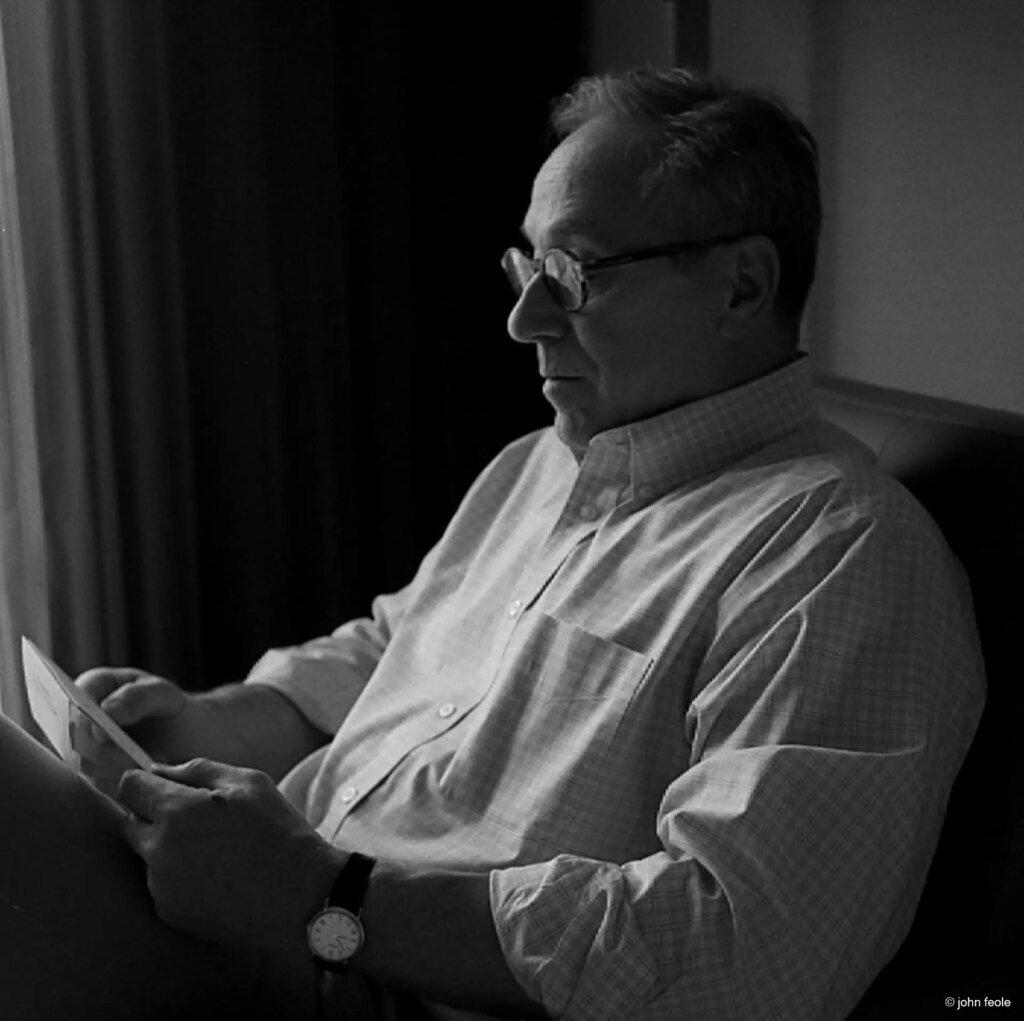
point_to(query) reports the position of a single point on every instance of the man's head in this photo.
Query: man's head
(653, 158)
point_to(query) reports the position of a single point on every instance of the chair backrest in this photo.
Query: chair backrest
(966, 466)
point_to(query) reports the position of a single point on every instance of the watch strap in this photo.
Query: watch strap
(349, 889)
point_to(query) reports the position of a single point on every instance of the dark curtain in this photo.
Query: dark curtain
(335, 185)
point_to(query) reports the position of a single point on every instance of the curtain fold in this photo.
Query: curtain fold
(55, 587)
(260, 347)
(23, 603)
(91, 324)
(132, 349)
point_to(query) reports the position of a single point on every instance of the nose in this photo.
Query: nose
(535, 315)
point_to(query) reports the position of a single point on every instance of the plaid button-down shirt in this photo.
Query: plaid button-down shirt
(694, 702)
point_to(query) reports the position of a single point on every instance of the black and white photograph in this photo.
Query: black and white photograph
(511, 510)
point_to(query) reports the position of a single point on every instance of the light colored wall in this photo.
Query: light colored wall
(626, 33)
(768, 44)
(919, 108)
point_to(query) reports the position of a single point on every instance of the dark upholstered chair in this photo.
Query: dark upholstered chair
(966, 465)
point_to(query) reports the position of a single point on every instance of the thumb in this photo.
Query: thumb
(144, 698)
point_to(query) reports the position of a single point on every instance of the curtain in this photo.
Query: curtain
(262, 343)
(350, 368)
(22, 548)
(60, 555)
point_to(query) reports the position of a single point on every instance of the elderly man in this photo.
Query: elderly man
(665, 723)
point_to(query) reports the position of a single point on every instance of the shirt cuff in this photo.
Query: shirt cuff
(570, 939)
(320, 679)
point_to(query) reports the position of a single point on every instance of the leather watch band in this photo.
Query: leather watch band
(349, 889)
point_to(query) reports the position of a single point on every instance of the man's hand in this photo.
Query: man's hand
(153, 710)
(228, 858)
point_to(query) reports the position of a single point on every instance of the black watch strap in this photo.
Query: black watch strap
(349, 889)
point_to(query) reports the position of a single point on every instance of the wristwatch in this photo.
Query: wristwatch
(335, 933)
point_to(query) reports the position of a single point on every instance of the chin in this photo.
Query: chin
(572, 432)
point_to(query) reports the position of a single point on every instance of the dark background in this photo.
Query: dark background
(331, 187)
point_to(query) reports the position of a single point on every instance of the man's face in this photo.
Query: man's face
(645, 341)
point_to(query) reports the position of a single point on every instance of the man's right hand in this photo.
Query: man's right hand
(156, 712)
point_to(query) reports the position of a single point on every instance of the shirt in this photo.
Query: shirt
(694, 701)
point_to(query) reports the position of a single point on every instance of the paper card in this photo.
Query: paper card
(51, 696)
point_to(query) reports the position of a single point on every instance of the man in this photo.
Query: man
(665, 724)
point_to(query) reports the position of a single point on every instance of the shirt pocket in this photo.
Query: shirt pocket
(533, 758)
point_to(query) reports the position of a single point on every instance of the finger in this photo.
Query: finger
(101, 681)
(87, 738)
(82, 735)
(90, 742)
(136, 833)
(204, 773)
(150, 796)
(145, 697)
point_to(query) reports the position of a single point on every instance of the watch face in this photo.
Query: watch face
(335, 935)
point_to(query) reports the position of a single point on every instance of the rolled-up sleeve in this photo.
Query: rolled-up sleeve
(831, 714)
(325, 676)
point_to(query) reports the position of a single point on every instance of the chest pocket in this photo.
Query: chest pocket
(533, 758)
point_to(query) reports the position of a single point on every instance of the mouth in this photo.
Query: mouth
(561, 390)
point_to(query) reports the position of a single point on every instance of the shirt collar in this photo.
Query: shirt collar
(662, 453)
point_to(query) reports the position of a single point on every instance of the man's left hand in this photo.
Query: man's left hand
(228, 858)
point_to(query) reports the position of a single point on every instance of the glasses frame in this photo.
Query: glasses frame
(584, 267)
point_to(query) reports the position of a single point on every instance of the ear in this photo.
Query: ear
(752, 268)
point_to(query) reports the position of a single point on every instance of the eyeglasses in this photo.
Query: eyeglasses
(565, 276)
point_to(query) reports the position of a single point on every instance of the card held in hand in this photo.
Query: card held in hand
(52, 698)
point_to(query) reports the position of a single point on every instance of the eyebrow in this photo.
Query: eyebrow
(573, 228)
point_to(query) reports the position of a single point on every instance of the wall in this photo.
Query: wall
(917, 105)
(623, 35)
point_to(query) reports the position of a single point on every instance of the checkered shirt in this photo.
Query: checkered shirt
(694, 703)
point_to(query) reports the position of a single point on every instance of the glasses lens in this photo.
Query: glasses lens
(564, 279)
(518, 268)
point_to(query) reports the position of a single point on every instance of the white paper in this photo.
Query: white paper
(51, 695)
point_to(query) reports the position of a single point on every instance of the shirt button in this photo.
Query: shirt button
(446, 710)
(349, 794)
(515, 607)
(645, 492)
(589, 512)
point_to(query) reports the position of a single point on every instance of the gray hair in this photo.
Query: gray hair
(741, 154)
